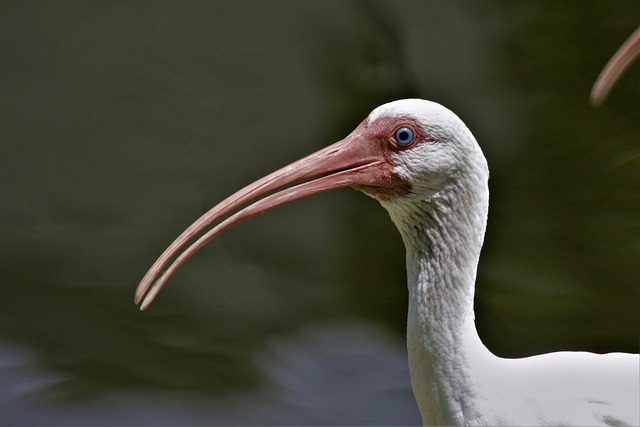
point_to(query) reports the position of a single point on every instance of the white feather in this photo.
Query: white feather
(455, 378)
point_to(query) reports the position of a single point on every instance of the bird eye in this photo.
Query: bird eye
(403, 136)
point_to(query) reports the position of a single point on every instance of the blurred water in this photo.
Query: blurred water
(343, 373)
(123, 121)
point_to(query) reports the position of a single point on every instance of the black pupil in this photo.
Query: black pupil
(404, 136)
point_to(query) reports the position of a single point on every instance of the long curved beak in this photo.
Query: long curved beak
(617, 65)
(353, 161)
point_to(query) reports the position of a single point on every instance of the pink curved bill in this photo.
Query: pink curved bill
(617, 65)
(353, 161)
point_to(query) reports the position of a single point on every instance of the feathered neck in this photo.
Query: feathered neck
(443, 235)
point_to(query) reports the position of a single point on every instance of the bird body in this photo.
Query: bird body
(426, 169)
(455, 378)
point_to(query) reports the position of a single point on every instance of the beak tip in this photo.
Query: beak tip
(137, 298)
(146, 302)
(595, 100)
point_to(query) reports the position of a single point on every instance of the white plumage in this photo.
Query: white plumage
(455, 378)
(425, 167)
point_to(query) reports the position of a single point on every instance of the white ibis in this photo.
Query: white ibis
(425, 167)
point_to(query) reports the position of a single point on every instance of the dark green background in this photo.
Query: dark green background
(122, 122)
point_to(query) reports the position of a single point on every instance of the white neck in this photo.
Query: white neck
(443, 236)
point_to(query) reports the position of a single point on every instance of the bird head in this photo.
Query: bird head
(404, 151)
(429, 149)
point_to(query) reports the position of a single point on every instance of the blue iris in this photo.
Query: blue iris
(403, 136)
